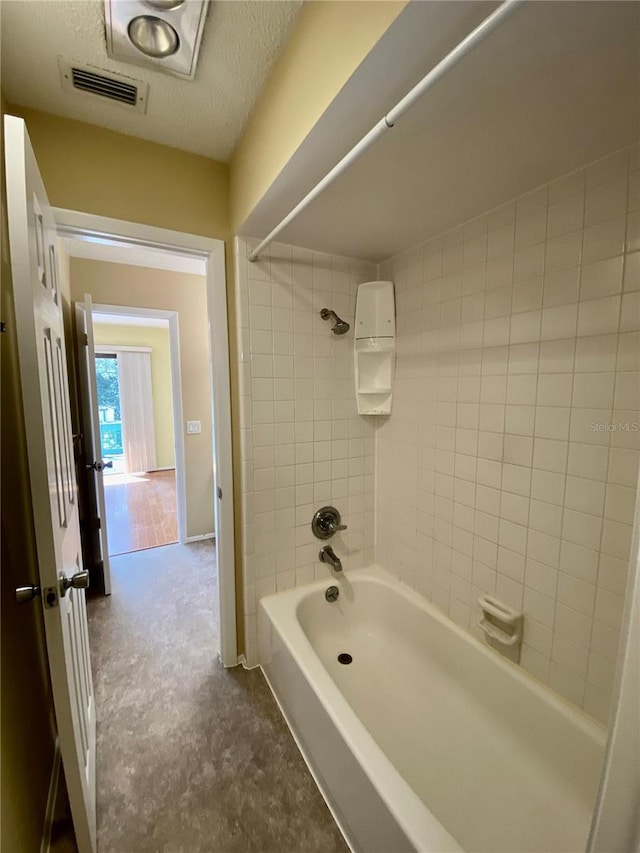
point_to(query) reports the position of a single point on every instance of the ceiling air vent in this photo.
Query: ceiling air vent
(119, 89)
(87, 81)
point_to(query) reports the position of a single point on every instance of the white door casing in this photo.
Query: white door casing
(616, 821)
(176, 394)
(88, 393)
(133, 234)
(45, 390)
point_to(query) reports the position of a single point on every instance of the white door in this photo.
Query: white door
(88, 391)
(43, 374)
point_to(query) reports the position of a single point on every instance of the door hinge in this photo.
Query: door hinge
(219, 493)
(98, 523)
(3, 326)
(85, 340)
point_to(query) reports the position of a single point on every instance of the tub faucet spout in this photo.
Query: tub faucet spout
(328, 555)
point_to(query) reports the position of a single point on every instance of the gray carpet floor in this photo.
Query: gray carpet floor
(192, 758)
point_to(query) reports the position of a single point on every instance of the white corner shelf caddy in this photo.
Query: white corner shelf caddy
(375, 347)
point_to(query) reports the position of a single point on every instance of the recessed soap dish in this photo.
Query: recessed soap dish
(502, 626)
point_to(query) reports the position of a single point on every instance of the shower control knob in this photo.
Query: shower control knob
(326, 521)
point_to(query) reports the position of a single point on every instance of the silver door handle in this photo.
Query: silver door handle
(26, 593)
(78, 581)
(100, 466)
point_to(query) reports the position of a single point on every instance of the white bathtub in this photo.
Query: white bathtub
(428, 740)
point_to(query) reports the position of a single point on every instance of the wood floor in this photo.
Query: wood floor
(141, 511)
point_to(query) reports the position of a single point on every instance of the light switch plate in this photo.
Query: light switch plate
(194, 427)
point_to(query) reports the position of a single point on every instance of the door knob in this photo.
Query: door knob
(100, 466)
(78, 581)
(26, 593)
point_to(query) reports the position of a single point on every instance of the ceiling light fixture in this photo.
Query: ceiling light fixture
(164, 5)
(168, 40)
(153, 36)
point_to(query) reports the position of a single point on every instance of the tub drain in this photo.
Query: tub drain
(344, 657)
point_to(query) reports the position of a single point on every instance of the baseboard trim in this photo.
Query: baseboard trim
(239, 662)
(45, 844)
(199, 538)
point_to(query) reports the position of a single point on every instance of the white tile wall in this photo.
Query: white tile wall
(518, 334)
(303, 443)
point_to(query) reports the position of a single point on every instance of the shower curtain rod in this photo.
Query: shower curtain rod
(394, 115)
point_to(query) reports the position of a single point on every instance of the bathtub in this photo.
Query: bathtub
(428, 740)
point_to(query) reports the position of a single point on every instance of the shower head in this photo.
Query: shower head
(341, 327)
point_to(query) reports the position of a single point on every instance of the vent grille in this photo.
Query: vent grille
(127, 93)
(117, 90)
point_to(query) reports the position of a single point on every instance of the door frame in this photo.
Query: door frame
(176, 402)
(615, 822)
(72, 223)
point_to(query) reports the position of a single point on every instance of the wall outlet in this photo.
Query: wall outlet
(194, 427)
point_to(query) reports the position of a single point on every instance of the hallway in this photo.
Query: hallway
(192, 758)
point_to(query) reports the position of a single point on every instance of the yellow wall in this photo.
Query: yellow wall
(87, 168)
(158, 340)
(329, 41)
(139, 287)
(99, 171)
(28, 729)
(90, 169)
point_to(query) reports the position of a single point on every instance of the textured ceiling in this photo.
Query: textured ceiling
(241, 41)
